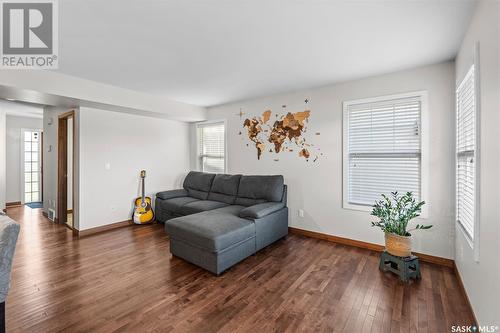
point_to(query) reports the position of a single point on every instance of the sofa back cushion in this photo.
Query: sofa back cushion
(224, 188)
(198, 184)
(258, 189)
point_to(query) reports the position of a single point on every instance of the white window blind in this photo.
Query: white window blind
(466, 154)
(382, 146)
(211, 147)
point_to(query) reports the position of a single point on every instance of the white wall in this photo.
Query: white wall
(50, 130)
(482, 279)
(50, 115)
(128, 143)
(3, 143)
(317, 187)
(14, 141)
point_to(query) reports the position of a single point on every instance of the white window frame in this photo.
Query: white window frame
(424, 144)
(474, 242)
(199, 165)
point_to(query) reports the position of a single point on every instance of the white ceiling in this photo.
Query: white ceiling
(218, 51)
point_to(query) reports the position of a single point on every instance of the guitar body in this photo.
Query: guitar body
(143, 212)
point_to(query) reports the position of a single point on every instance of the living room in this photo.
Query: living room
(221, 166)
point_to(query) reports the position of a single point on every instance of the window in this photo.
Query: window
(31, 166)
(211, 147)
(466, 155)
(383, 152)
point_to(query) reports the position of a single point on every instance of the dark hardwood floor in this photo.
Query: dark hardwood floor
(125, 280)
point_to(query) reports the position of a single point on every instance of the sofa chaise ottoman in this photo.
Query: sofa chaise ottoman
(216, 221)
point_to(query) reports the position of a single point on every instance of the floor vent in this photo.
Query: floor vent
(52, 214)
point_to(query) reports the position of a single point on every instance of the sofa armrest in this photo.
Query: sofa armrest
(172, 194)
(260, 210)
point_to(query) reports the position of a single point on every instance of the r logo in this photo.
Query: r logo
(27, 27)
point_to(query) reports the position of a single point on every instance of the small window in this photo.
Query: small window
(466, 155)
(211, 147)
(383, 148)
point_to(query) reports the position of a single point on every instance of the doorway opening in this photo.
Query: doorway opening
(31, 176)
(65, 168)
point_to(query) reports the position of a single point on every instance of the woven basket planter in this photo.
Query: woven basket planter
(396, 245)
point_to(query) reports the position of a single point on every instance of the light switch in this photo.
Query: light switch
(107, 166)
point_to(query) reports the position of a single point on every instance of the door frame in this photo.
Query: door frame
(23, 161)
(62, 166)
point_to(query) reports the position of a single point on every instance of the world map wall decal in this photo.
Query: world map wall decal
(280, 133)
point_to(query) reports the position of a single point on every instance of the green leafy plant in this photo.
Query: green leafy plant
(396, 212)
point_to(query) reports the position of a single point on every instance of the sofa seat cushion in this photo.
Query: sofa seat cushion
(200, 206)
(175, 204)
(231, 209)
(214, 231)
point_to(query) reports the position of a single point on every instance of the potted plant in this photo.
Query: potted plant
(395, 213)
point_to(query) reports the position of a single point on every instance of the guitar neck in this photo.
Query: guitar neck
(143, 194)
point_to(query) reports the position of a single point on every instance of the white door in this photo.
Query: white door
(31, 158)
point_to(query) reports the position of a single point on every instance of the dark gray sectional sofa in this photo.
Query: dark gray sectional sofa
(215, 221)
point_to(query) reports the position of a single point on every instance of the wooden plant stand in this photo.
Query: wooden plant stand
(405, 267)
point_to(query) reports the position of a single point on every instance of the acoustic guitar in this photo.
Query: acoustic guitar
(143, 212)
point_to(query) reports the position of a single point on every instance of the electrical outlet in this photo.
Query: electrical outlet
(301, 213)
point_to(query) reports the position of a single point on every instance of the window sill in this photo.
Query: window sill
(362, 208)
